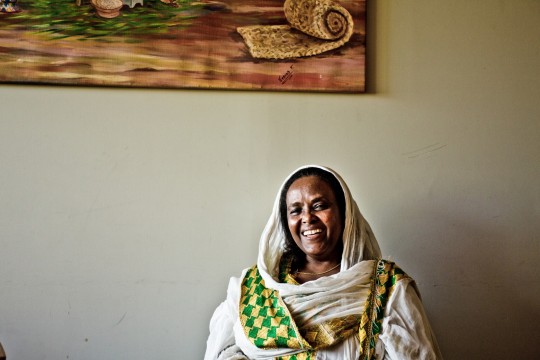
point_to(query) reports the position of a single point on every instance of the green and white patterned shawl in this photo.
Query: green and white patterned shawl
(328, 303)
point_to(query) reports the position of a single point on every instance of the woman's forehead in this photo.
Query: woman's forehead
(309, 186)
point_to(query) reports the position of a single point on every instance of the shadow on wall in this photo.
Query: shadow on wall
(480, 289)
(371, 47)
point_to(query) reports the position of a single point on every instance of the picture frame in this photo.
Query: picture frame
(273, 45)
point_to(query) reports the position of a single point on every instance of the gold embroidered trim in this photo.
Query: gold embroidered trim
(386, 276)
(264, 316)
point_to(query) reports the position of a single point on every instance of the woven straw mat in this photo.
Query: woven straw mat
(315, 26)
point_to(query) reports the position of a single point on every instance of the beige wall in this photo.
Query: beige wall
(123, 212)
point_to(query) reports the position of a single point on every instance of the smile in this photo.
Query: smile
(311, 232)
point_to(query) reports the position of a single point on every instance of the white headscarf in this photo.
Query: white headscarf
(329, 297)
(359, 243)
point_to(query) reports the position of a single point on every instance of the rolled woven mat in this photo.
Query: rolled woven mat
(315, 26)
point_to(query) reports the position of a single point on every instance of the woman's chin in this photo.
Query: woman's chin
(318, 254)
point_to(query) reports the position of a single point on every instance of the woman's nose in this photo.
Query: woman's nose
(307, 217)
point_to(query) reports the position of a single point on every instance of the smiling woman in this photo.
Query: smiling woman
(320, 289)
(314, 218)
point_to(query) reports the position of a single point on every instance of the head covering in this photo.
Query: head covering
(359, 243)
(339, 315)
(317, 302)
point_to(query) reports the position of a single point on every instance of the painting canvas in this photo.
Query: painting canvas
(277, 45)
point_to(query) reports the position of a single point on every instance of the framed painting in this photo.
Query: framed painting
(276, 45)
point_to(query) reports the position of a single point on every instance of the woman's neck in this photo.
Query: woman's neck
(312, 269)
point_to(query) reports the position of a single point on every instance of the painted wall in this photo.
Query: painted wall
(123, 212)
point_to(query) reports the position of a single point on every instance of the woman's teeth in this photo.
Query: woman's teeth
(311, 232)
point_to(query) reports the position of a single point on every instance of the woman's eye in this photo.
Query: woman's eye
(294, 211)
(319, 206)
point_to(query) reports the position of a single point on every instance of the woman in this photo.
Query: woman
(319, 289)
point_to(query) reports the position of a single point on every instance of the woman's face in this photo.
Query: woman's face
(313, 218)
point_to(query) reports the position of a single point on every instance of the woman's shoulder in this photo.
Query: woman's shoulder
(236, 280)
(382, 267)
(389, 275)
(390, 267)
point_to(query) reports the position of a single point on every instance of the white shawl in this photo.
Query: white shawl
(310, 303)
(343, 293)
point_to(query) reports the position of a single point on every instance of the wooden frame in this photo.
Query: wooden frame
(203, 44)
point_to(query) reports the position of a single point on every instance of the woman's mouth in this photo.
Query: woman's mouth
(311, 232)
